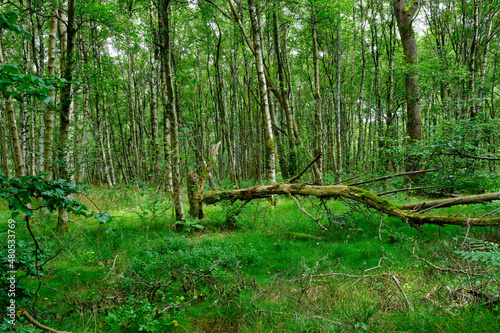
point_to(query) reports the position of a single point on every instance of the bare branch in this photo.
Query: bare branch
(39, 325)
(393, 176)
(291, 180)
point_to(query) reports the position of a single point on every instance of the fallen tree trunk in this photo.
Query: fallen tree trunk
(403, 212)
(465, 200)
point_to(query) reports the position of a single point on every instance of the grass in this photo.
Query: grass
(276, 273)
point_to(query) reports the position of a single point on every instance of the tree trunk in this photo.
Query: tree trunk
(404, 17)
(318, 117)
(49, 111)
(3, 141)
(291, 163)
(171, 107)
(66, 107)
(259, 63)
(337, 109)
(17, 152)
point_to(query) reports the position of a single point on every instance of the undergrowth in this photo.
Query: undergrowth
(277, 272)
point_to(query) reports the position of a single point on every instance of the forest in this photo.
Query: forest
(249, 166)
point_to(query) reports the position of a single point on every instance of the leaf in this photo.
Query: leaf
(47, 100)
(12, 68)
(103, 217)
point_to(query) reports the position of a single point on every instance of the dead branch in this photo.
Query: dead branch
(465, 200)
(393, 176)
(446, 269)
(461, 155)
(39, 325)
(348, 179)
(405, 190)
(305, 212)
(402, 292)
(370, 199)
(295, 178)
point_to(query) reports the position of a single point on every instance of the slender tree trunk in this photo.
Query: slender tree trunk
(4, 140)
(15, 142)
(317, 99)
(171, 107)
(337, 107)
(40, 73)
(111, 161)
(49, 111)
(375, 52)
(487, 38)
(404, 17)
(17, 152)
(67, 108)
(259, 63)
(221, 98)
(101, 132)
(361, 100)
(291, 165)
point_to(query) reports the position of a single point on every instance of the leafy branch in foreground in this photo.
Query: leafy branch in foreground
(51, 194)
(32, 193)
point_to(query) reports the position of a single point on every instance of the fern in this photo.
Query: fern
(481, 251)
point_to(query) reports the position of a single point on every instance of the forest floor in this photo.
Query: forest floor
(277, 272)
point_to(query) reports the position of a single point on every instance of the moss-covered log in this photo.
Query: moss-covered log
(404, 212)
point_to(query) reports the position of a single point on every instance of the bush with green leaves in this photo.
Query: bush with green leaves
(26, 262)
(178, 252)
(29, 193)
(463, 151)
(480, 251)
(138, 315)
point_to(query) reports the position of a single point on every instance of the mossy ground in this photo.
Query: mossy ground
(278, 272)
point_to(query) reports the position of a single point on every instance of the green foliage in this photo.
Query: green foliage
(459, 149)
(452, 149)
(338, 221)
(178, 252)
(482, 251)
(191, 224)
(138, 315)
(51, 194)
(25, 263)
(8, 22)
(18, 85)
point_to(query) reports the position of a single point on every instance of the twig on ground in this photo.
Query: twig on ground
(112, 267)
(466, 233)
(492, 212)
(380, 226)
(446, 269)
(39, 325)
(402, 292)
(379, 264)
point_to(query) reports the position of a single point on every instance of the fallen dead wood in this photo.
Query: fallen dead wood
(405, 190)
(39, 325)
(404, 212)
(295, 178)
(393, 176)
(465, 200)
